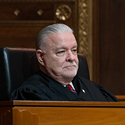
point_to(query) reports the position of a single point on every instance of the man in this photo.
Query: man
(56, 51)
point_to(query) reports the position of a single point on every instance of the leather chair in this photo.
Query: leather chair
(17, 64)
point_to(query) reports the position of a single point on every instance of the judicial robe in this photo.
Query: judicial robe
(41, 87)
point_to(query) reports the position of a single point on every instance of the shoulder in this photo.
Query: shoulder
(39, 78)
(33, 88)
(96, 89)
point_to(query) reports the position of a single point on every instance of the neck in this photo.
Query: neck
(64, 81)
(61, 80)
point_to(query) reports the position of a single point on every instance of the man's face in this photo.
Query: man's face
(60, 57)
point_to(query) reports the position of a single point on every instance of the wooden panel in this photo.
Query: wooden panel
(19, 36)
(68, 116)
(26, 11)
(20, 21)
(111, 45)
(95, 40)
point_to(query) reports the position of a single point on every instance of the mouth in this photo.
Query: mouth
(70, 66)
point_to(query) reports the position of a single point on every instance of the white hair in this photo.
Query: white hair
(54, 28)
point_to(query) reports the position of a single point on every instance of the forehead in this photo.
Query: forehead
(62, 39)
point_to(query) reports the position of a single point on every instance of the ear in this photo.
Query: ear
(39, 55)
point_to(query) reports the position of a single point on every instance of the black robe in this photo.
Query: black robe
(42, 87)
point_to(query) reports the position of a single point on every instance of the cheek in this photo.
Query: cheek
(59, 63)
(55, 63)
(55, 67)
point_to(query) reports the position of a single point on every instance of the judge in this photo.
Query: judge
(57, 79)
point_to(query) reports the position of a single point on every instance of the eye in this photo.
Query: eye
(74, 51)
(60, 53)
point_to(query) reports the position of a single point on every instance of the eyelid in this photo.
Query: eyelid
(61, 51)
(74, 49)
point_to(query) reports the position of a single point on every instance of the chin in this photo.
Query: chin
(69, 75)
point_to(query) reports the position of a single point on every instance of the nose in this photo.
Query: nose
(70, 56)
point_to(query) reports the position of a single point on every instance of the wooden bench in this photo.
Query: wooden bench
(61, 113)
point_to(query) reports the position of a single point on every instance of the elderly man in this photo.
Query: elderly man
(56, 51)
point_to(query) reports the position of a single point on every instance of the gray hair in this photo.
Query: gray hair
(54, 28)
